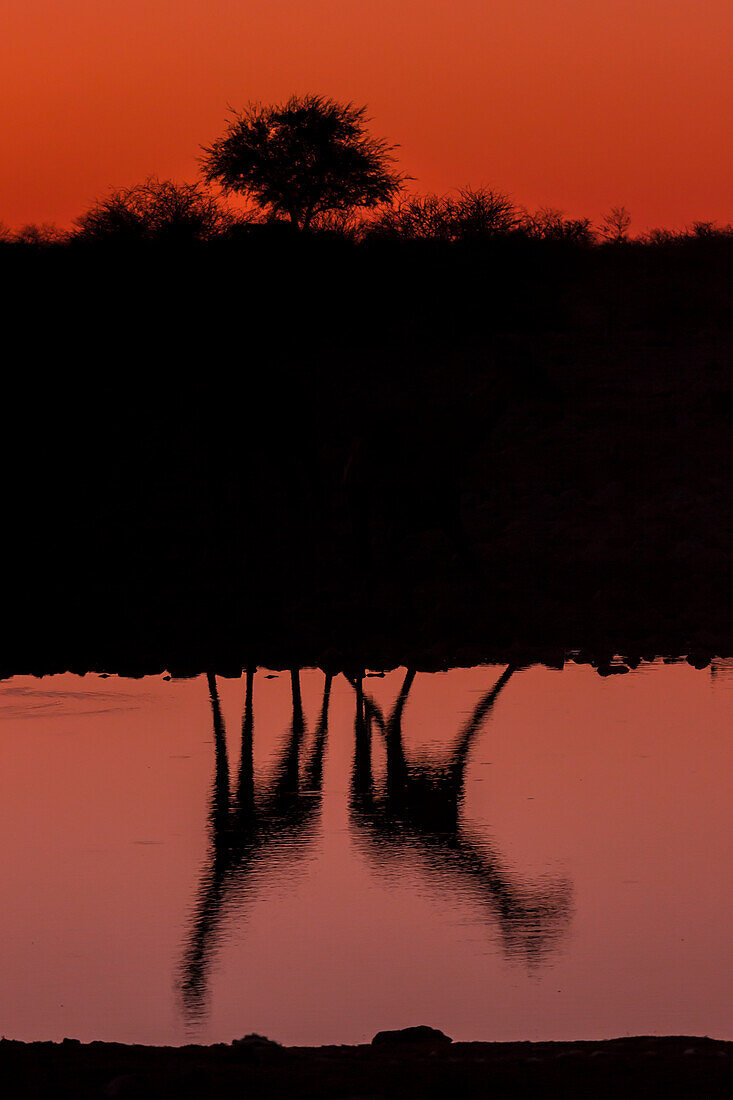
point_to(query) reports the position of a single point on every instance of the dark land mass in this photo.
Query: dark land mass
(630, 1067)
(289, 449)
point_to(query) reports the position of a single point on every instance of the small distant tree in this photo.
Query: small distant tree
(304, 159)
(156, 210)
(615, 225)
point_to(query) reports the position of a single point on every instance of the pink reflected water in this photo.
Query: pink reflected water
(533, 855)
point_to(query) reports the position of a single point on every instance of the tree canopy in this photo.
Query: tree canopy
(307, 157)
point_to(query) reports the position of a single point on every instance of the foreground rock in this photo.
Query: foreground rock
(642, 1067)
(423, 1036)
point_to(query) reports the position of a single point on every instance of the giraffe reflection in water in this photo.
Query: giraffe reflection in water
(247, 827)
(413, 813)
(417, 814)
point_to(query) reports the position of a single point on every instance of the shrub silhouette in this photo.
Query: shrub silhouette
(550, 224)
(36, 235)
(471, 214)
(659, 237)
(699, 231)
(417, 218)
(303, 159)
(706, 231)
(156, 210)
(481, 213)
(340, 223)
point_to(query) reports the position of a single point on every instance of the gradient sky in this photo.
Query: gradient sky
(579, 104)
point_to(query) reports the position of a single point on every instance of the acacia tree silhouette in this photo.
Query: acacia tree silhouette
(310, 156)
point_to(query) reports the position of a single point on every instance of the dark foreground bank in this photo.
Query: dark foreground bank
(301, 452)
(629, 1067)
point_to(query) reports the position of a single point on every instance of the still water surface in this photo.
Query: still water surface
(504, 854)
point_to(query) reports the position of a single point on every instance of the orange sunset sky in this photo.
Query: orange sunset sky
(578, 104)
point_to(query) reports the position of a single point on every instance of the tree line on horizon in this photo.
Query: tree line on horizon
(311, 165)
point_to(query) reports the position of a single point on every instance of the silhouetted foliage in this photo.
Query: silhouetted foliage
(614, 227)
(658, 236)
(305, 158)
(417, 218)
(710, 231)
(340, 223)
(549, 224)
(699, 232)
(481, 213)
(159, 210)
(37, 236)
(468, 215)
